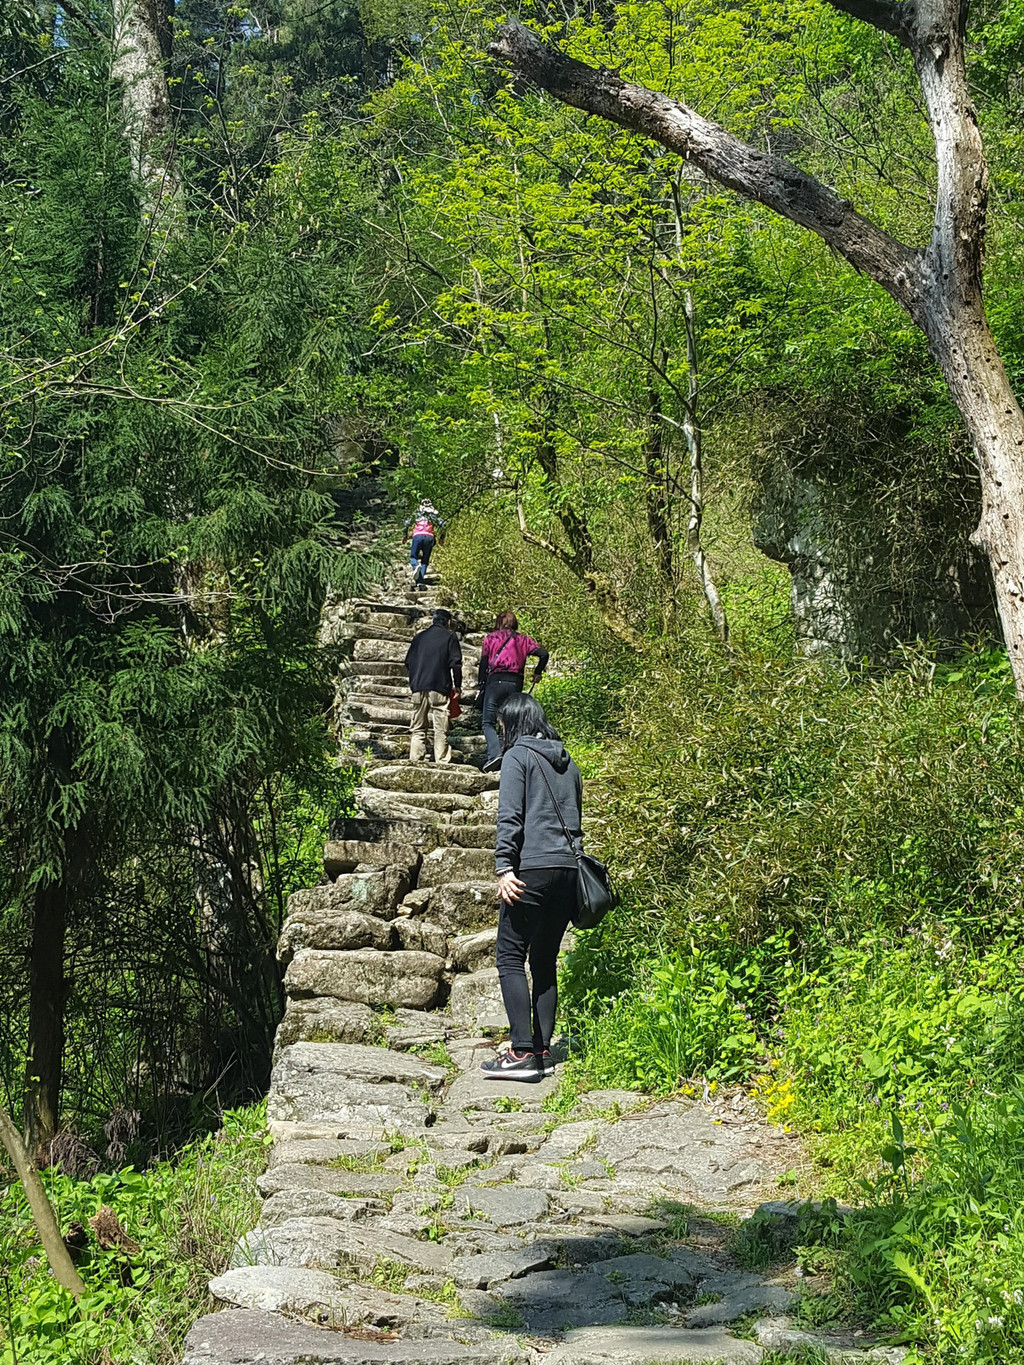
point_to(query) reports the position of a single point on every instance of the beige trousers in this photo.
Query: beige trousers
(435, 706)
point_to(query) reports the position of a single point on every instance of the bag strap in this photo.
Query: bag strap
(492, 662)
(558, 809)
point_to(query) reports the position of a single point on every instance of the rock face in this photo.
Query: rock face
(513, 1234)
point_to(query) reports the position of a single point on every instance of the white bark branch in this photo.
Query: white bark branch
(771, 180)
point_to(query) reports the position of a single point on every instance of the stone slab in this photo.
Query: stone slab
(325, 1020)
(503, 1207)
(326, 1243)
(333, 930)
(369, 977)
(350, 1062)
(431, 777)
(481, 1271)
(240, 1336)
(471, 952)
(443, 865)
(302, 1175)
(342, 856)
(476, 1002)
(653, 1346)
(471, 1091)
(468, 906)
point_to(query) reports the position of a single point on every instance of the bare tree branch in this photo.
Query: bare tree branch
(771, 180)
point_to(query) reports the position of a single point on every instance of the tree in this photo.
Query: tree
(939, 286)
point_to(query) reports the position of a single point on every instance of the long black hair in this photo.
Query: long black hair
(522, 715)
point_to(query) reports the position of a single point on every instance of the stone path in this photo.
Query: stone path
(416, 1212)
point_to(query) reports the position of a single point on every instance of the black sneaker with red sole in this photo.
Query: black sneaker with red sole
(514, 1066)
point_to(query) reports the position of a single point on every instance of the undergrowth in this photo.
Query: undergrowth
(183, 1216)
(822, 898)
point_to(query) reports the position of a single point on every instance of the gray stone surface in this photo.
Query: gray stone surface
(322, 1151)
(503, 1207)
(466, 905)
(240, 1336)
(313, 1020)
(353, 1087)
(326, 1243)
(431, 777)
(415, 1028)
(682, 1140)
(476, 1002)
(372, 893)
(652, 1346)
(605, 1292)
(300, 1203)
(350, 1062)
(421, 935)
(280, 1289)
(411, 980)
(329, 1179)
(334, 930)
(478, 1272)
(342, 856)
(471, 952)
(444, 865)
(474, 1090)
(740, 1294)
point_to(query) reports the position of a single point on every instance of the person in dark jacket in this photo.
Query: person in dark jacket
(434, 664)
(503, 656)
(537, 880)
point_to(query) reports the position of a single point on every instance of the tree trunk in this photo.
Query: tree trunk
(42, 1211)
(694, 434)
(966, 351)
(141, 47)
(45, 1016)
(657, 505)
(47, 995)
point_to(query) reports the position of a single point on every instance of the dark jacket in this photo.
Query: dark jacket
(434, 661)
(530, 833)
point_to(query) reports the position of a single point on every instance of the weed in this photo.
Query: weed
(675, 1216)
(507, 1104)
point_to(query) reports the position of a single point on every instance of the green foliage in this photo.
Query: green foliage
(185, 1216)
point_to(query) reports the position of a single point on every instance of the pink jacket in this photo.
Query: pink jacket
(505, 652)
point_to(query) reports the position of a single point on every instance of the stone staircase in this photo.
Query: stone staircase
(417, 1213)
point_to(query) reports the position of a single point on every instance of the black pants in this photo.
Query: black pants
(534, 927)
(496, 689)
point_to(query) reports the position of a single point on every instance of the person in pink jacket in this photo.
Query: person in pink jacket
(503, 658)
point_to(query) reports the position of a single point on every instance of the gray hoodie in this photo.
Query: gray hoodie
(530, 833)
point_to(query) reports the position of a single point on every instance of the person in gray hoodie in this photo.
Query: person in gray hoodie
(537, 880)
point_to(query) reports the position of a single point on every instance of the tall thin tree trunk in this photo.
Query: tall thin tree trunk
(656, 501)
(44, 1062)
(694, 434)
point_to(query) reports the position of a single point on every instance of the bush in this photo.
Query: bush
(184, 1216)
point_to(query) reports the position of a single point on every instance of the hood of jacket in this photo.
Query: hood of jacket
(551, 749)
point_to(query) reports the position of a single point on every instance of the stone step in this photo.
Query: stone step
(371, 668)
(430, 777)
(387, 715)
(369, 976)
(239, 1336)
(442, 866)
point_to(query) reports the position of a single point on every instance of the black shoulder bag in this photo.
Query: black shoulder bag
(594, 894)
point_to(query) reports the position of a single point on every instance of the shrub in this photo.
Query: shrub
(185, 1215)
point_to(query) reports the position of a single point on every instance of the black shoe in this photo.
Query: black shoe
(517, 1066)
(546, 1062)
(492, 765)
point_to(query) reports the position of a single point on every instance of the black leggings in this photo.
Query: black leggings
(534, 926)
